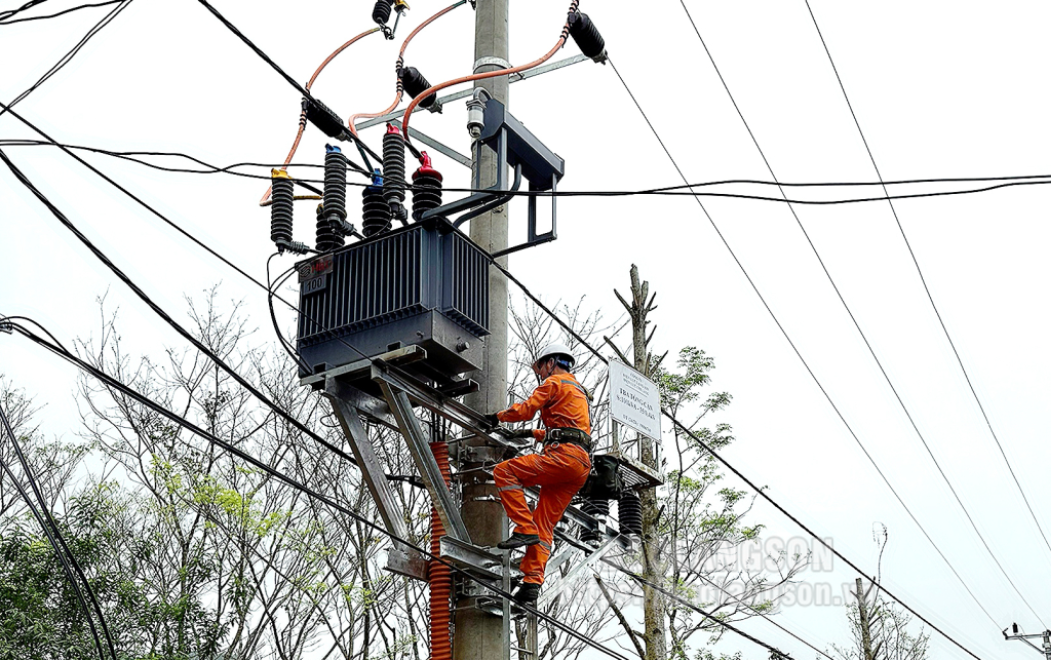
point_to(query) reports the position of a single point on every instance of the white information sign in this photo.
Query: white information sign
(634, 400)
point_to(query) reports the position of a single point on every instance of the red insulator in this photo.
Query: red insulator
(427, 187)
(439, 575)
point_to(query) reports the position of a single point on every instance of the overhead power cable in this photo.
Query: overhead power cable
(680, 190)
(532, 297)
(923, 280)
(868, 345)
(11, 12)
(57, 14)
(54, 536)
(277, 474)
(65, 59)
(760, 491)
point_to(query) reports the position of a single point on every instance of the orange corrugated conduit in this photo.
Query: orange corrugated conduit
(303, 114)
(439, 575)
(397, 69)
(489, 74)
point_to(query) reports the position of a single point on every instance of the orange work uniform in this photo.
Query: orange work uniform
(560, 470)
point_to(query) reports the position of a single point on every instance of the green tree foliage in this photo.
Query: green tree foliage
(190, 553)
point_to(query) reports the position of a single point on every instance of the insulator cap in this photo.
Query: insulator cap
(426, 168)
(381, 11)
(415, 84)
(427, 188)
(587, 36)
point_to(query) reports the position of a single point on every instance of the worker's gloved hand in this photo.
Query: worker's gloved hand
(522, 434)
(491, 420)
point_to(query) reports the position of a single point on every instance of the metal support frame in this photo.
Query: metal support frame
(420, 449)
(368, 461)
(1045, 637)
(415, 134)
(480, 562)
(451, 409)
(515, 146)
(589, 560)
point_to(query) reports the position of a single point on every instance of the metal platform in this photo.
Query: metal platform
(383, 391)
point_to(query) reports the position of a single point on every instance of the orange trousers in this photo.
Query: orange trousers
(560, 471)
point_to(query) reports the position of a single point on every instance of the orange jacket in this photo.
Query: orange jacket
(562, 402)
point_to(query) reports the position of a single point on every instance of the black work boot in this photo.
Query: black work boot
(518, 540)
(528, 593)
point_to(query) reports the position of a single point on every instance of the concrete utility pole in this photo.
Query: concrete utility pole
(480, 636)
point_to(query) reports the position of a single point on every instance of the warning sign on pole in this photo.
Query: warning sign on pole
(634, 400)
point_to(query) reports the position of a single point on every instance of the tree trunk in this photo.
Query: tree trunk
(863, 622)
(654, 611)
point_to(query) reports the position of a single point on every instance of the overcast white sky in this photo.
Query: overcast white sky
(941, 89)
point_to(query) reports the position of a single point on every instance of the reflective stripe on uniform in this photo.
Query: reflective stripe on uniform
(576, 385)
(546, 545)
(514, 487)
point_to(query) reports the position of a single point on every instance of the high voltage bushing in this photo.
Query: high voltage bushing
(427, 187)
(394, 172)
(375, 216)
(381, 11)
(329, 237)
(281, 207)
(587, 36)
(630, 511)
(415, 84)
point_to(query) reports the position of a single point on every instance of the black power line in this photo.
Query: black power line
(58, 542)
(761, 491)
(923, 280)
(998, 182)
(864, 338)
(29, 5)
(57, 14)
(65, 59)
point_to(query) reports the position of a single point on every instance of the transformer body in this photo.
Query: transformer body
(424, 284)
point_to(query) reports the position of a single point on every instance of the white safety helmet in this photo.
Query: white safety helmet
(563, 356)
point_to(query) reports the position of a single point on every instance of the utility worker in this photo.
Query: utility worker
(560, 469)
